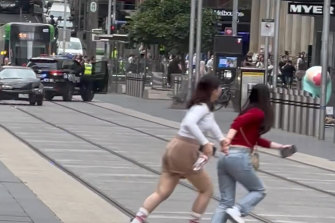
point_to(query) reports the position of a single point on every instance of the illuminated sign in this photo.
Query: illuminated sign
(307, 9)
(26, 36)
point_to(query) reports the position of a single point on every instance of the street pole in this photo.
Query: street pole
(191, 50)
(266, 53)
(114, 12)
(276, 44)
(324, 63)
(109, 27)
(235, 17)
(64, 27)
(79, 15)
(198, 43)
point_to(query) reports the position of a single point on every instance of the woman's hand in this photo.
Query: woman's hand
(225, 145)
(208, 149)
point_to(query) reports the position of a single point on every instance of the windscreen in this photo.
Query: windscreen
(16, 74)
(43, 64)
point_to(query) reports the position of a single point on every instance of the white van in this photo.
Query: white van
(73, 47)
(57, 10)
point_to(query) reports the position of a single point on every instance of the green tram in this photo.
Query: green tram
(21, 41)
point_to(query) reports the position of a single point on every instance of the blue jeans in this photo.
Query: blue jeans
(237, 167)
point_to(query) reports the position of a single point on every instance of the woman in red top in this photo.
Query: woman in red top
(254, 120)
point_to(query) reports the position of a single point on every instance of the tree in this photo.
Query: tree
(167, 22)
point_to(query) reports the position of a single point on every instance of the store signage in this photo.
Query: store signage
(308, 9)
(227, 15)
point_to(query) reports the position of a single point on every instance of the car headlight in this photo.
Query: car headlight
(12, 5)
(6, 87)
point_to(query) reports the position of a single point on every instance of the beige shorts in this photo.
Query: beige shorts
(180, 155)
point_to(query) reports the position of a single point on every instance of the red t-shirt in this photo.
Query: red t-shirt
(250, 122)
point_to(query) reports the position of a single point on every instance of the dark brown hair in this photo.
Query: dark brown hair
(260, 98)
(203, 91)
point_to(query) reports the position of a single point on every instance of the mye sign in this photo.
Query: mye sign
(307, 9)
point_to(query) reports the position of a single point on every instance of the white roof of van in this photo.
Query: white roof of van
(59, 7)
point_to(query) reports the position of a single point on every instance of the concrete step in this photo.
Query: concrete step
(150, 93)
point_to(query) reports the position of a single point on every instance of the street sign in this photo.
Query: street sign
(93, 6)
(268, 27)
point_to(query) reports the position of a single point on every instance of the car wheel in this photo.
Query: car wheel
(67, 96)
(86, 93)
(39, 100)
(48, 96)
(32, 99)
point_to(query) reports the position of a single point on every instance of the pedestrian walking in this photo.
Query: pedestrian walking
(254, 120)
(182, 158)
(288, 71)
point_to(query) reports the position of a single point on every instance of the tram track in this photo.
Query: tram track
(171, 127)
(110, 200)
(259, 170)
(166, 140)
(135, 162)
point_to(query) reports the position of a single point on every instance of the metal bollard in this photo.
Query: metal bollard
(298, 113)
(131, 84)
(176, 85)
(141, 84)
(304, 115)
(316, 116)
(136, 84)
(291, 113)
(127, 84)
(276, 107)
(310, 119)
(285, 111)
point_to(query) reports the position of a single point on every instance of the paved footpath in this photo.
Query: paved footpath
(17, 202)
(38, 180)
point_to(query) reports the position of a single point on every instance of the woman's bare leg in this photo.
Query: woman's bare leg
(204, 186)
(166, 185)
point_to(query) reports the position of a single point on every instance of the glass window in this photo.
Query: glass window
(67, 64)
(43, 64)
(16, 74)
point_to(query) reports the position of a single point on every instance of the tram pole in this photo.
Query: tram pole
(324, 63)
(64, 27)
(276, 43)
(191, 50)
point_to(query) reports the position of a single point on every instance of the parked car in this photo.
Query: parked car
(20, 83)
(61, 76)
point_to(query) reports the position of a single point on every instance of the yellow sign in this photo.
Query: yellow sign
(255, 74)
(4, 52)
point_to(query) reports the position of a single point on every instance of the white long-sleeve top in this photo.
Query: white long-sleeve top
(198, 121)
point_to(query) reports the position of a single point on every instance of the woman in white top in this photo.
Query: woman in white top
(183, 159)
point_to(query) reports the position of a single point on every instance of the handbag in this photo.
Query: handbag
(254, 155)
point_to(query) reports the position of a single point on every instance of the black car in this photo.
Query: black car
(20, 83)
(61, 76)
(14, 5)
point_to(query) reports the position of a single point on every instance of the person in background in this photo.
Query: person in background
(183, 159)
(210, 65)
(288, 71)
(255, 119)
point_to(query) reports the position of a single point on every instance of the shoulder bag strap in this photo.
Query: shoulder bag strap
(247, 141)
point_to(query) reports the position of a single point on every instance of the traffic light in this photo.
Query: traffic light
(113, 29)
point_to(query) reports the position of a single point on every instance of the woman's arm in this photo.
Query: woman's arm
(190, 122)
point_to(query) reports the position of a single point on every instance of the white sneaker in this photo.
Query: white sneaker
(235, 214)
